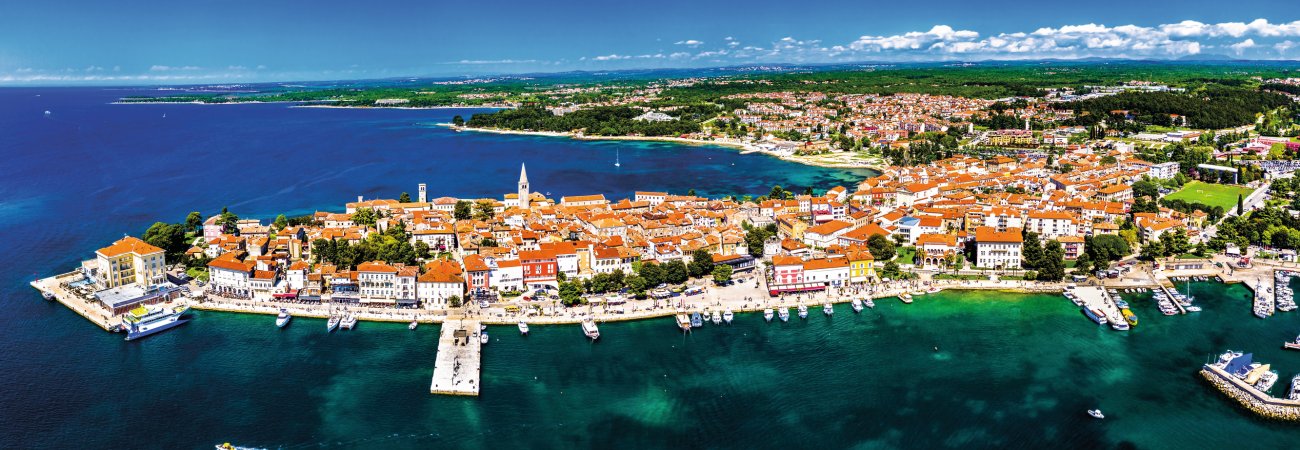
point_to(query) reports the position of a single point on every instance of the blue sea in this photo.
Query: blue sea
(1011, 370)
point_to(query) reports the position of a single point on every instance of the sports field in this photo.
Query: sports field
(1210, 194)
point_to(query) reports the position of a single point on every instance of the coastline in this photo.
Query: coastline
(744, 147)
(303, 104)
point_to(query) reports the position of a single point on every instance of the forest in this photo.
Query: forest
(1213, 107)
(600, 121)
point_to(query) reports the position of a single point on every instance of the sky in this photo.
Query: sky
(234, 41)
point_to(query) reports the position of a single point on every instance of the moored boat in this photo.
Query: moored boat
(413, 325)
(144, 321)
(869, 302)
(483, 338)
(332, 323)
(283, 318)
(857, 305)
(727, 316)
(1096, 315)
(803, 311)
(1129, 317)
(785, 314)
(768, 314)
(828, 309)
(683, 321)
(716, 318)
(590, 329)
(349, 321)
(523, 328)
(906, 298)
(697, 320)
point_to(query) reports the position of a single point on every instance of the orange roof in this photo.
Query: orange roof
(826, 263)
(784, 260)
(376, 266)
(129, 244)
(990, 234)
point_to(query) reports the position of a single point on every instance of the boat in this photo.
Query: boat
(1119, 325)
(716, 318)
(1096, 315)
(1096, 413)
(142, 321)
(1267, 380)
(282, 319)
(697, 320)
(869, 302)
(48, 295)
(803, 311)
(906, 298)
(414, 323)
(828, 309)
(768, 314)
(483, 338)
(857, 305)
(617, 163)
(1295, 388)
(1121, 304)
(348, 322)
(589, 328)
(1129, 317)
(683, 322)
(332, 323)
(933, 290)
(523, 328)
(727, 316)
(919, 292)
(1193, 308)
(785, 314)
(1293, 345)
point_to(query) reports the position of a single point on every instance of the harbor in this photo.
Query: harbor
(1248, 383)
(456, 366)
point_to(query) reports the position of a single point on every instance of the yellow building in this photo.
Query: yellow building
(860, 270)
(129, 261)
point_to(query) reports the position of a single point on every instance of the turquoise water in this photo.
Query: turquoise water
(1011, 371)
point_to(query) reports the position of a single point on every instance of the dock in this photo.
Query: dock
(456, 369)
(1098, 298)
(1248, 396)
(1169, 291)
(58, 287)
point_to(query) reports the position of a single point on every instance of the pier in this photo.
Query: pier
(1169, 291)
(1260, 403)
(456, 368)
(57, 286)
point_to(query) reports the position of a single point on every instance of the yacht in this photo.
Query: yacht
(332, 323)
(716, 318)
(348, 322)
(589, 328)
(1293, 345)
(483, 338)
(414, 323)
(1119, 325)
(784, 313)
(683, 322)
(727, 316)
(803, 311)
(767, 314)
(1096, 413)
(143, 321)
(282, 319)
(1267, 380)
(696, 320)
(523, 328)
(857, 305)
(828, 309)
(932, 290)
(869, 302)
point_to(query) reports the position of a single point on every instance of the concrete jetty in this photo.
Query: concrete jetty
(1251, 398)
(456, 368)
(59, 288)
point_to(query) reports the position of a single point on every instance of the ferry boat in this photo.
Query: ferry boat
(348, 322)
(768, 314)
(142, 321)
(803, 311)
(683, 322)
(869, 302)
(413, 325)
(785, 314)
(828, 309)
(727, 316)
(333, 323)
(589, 328)
(857, 305)
(697, 320)
(282, 319)
(483, 338)
(906, 298)
(1129, 317)
(716, 318)
(523, 328)
(1096, 315)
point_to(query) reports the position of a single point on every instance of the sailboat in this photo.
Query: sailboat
(616, 159)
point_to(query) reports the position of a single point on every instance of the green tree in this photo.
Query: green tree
(483, 210)
(169, 237)
(1052, 266)
(454, 301)
(1240, 208)
(365, 217)
(1145, 188)
(891, 271)
(229, 222)
(882, 249)
(487, 242)
(1152, 251)
(194, 221)
(653, 274)
(721, 273)
(778, 193)
(690, 192)
(636, 285)
(404, 198)
(1032, 251)
(701, 263)
(280, 222)
(675, 272)
(458, 121)
(464, 210)
(570, 293)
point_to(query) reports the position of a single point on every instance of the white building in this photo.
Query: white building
(998, 249)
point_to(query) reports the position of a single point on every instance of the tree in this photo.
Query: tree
(882, 249)
(778, 193)
(701, 263)
(653, 274)
(404, 198)
(169, 237)
(194, 221)
(1083, 264)
(487, 242)
(1106, 248)
(280, 222)
(454, 301)
(229, 222)
(483, 210)
(1145, 188)
(1032, 251)
(1175, 242)
(365, 217)
(1240, 209)
(891, 271)
(464, 210)
(570, 293)
(721, 273)
(675, 272)
(458, 121)
(690, 192)
(1152, 251)
(1052, 266)
(636, 285)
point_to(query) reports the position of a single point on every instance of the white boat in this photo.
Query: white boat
(869, 302)
(828, 309)
(144, 321)
(589, 328)
(1193, 309)
(803, 311)
(767, 314)
(857, 305)
(483, 338)
(785, 314)
(414, 323)
(716, 318)
(683, 321)
(932, 290)
(906, 298)
(1295, 388)
(727, 316)
(333, 323)
(523, 327)
(282, 319)
(348, 322)
(1096, 413)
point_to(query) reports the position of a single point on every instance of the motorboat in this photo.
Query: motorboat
(803, 311)
(348, 322)
(828, 309)
(413, 325)
(683, 322)
(589, 328)
(933, 290)
(784, 314)
(483, 338)
(523, 328)
(697, 320)
(716, 318)
(727, 316)
(768, 314)
(1096, 413)
(1193, 308)
(869, 302)
(906, 298)
(857, 305)
(1129, 317)
(1295, 388)
(333, 323)
(282, 319)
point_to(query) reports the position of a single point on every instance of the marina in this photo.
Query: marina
(1248, 382)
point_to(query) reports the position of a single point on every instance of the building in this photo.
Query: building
(230, 276)
(998, 249)
(829, 272)
(540, 268)
(129, 261)
(523, 187)
(377, 281)
(441, 281)
(1163, 171)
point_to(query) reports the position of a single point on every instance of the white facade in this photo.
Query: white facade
(998, 254)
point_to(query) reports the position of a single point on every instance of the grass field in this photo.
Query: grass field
(1210, 194)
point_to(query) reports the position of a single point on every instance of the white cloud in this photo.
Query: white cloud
(1241, 47)
(161, 68)
(490, 61)
(1283, 46)
(689, 43)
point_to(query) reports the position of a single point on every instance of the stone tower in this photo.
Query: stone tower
(523, 187)
(423, 191)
